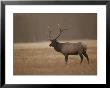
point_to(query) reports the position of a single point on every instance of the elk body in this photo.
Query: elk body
(69, 48)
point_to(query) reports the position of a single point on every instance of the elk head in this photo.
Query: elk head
(54, 41)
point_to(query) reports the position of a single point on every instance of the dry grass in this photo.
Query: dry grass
(40, 59)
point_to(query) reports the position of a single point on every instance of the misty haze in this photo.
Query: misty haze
(32, 54)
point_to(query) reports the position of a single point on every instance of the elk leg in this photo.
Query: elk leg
(66, 59)
(85, 54)
(81, 56)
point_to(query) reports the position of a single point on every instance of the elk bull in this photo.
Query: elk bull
(69, 48)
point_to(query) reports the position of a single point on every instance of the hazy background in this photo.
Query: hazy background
(33, 27)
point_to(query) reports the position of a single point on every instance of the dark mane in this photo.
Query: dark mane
(57, 46)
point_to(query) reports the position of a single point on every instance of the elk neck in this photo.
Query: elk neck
(57, 46)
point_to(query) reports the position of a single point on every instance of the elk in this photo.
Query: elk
(68, 48)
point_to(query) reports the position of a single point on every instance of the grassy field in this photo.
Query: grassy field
(40, 59)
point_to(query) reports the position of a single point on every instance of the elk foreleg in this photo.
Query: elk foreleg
(66, 59)
(81, 56)
(85, 54)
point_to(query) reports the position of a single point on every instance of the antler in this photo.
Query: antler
(49, 33)
(61, 31)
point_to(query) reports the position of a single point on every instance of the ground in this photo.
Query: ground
(40, 59)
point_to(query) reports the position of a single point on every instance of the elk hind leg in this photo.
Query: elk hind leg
(85, 54)
(81, 56)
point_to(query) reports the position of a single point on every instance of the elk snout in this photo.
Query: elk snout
(50, 45)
